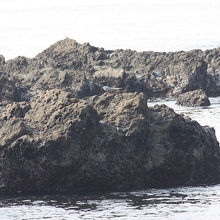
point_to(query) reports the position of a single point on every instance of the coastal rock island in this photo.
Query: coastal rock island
(193, 98)
(61, 133)
(60, 144)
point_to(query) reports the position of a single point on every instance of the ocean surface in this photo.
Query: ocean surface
(29, 26)
(184, 203)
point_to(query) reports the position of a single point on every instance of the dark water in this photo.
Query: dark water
(179, 203)
(185, 203)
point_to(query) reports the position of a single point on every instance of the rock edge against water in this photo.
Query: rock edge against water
(60, 133)
(193, 98)
(61, 144)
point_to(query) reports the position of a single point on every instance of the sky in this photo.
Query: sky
(30, 26)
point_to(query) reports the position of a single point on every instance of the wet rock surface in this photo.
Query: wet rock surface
(193, 98)
(60, 144)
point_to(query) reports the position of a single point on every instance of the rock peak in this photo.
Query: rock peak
(60, 46)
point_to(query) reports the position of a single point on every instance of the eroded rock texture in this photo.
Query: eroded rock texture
(193, 98)
(60, 144)
(60, 133)
(84, 69)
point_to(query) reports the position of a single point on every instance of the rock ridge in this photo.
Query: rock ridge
(84, 69)
(61, 133)
(57, 143)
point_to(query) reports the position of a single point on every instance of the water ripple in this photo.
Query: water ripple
(176, 203)
(184, 203)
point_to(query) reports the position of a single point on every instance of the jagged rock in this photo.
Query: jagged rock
(193, 98)
(16, 65)
(56, 142)
(70, 65)
(2, 59)
(212, 57)
(60, 144)
(9, 91)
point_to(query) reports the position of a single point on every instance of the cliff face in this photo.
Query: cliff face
(59, 144)
(83, 68)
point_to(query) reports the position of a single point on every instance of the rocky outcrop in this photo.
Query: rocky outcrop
(84, 69)
(9, 92)
(212, 58)
(60, 144)
(60, 134)
(2, 59)
(193, 98)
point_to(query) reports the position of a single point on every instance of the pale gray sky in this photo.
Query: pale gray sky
(29, 26)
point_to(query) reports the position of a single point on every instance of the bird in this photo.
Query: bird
(110, 89)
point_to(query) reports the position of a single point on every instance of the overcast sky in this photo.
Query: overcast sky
(29, 26)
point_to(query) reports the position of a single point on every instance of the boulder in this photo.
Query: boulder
(193, 98)
(60, 144)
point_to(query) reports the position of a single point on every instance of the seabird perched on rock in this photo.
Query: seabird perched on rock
(110, 89)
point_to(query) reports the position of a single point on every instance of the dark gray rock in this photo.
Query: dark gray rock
(60, 144)
(212, 57)
(2, 59)
(68, 137)
(193, 98)
(9, 92)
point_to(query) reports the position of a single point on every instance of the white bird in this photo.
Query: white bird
(110, 89)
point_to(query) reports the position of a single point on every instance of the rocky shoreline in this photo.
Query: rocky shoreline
(61, 133)
(82, 69)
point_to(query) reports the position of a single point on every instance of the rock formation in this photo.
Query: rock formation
(9, 92)
(83, 69)
(60, 144)
(2, 59)
(60, 133)
(193, 98)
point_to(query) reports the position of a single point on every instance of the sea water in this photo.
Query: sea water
(183, 203)
(30, 26)
(208, 115)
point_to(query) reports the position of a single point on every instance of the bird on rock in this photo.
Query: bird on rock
(110, 89)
